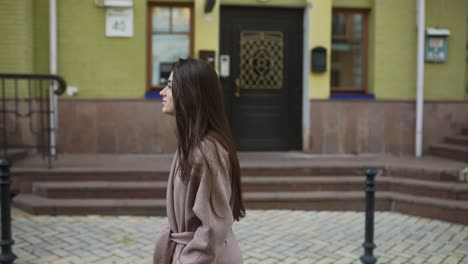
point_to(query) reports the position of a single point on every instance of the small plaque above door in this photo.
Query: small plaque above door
(261, 59)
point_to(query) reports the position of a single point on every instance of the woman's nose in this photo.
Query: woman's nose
(161, 93)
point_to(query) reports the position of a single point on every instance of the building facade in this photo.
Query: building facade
(323, 76)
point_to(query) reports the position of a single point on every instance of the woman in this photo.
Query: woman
(204, 191)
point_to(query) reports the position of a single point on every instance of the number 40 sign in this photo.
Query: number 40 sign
(119, 22)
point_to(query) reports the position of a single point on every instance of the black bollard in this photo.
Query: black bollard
(7, 256)
(368, 257)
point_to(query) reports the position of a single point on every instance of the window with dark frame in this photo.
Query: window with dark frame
(349, 51)
(170, 30)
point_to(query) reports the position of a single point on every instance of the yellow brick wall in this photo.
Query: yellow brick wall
(206, 28)
(446, 81)
(16, 45)
(320, 35)
(103, 67)
(395, 47)
(100, 66)
(16, 42)
(41, 36)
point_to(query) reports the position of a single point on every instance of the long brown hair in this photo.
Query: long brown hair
(199, 111)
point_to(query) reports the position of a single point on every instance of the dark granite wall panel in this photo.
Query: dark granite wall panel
(336, 126)
(339, 126)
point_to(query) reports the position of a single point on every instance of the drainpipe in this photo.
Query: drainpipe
(305, 81)
(421, 13)
(53, 70)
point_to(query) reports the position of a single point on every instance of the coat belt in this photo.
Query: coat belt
(182, 238)
(166, 242)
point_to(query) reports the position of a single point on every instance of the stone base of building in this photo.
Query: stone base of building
(114, 126)
(336, 126)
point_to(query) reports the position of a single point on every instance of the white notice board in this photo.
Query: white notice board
(119, 22)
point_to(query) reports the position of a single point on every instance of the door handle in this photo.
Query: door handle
(237, 85)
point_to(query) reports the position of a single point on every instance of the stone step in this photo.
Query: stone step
(421, 174)
(444, 190)
(302, 183)
(157, 189)
(24, 177)
(442, 209)
(35, 204)
(103, 174)
(447, 210)
(450, 151)
(304, 171)
(320, 200)
(457, 140)
(101, 190)
(431, 189)
(465, 131)
(15, 154)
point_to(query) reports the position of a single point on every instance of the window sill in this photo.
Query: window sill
(344, 96)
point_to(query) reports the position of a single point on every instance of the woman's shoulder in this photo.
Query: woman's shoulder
(212, 150)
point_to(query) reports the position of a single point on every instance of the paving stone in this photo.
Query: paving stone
(418, 260)
(272, 236)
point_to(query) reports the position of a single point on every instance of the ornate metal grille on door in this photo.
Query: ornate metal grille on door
(261, 59)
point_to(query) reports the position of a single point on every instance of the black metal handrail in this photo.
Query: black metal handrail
(59, 91)
(36, 96)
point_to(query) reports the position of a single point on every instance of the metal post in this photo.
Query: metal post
(7, 256)
(421, 15)
(4, 117)
(368, 257)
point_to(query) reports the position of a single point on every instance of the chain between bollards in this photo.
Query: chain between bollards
(7, 256)
(368, 257)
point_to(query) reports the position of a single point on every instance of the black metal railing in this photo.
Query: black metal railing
(27, 112)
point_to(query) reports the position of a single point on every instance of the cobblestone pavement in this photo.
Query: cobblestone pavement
(264, 236)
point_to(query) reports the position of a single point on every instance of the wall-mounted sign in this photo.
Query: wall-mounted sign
(318, 59)
(224, 65)
(119, 22)
(436, 45)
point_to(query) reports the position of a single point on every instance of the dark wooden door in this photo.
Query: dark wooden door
(263, 91)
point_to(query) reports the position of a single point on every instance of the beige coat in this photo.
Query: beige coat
(199, 230)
